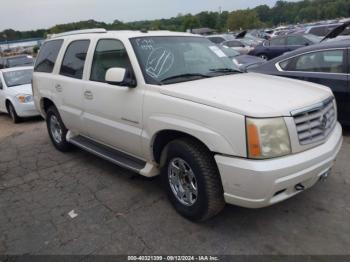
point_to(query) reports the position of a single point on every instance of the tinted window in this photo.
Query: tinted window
(277, 42)
(296, 40)
(109, 53)
(216, 40)
(324, 61)
(74, 59)
(319, 31)
(46, 59)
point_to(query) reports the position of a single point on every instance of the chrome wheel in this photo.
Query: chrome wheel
(55, 129)
(182, 181)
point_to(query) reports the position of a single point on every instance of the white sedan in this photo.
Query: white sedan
(16, 97)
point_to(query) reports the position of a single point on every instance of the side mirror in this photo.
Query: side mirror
(307, 44)
(120, 76)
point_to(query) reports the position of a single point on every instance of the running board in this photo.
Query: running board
(109, 154)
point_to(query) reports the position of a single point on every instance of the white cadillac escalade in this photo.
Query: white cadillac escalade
(173, 104)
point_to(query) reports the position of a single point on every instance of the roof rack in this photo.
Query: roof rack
(78, 32)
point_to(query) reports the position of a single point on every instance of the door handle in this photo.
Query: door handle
(88, 95)
(58, 88)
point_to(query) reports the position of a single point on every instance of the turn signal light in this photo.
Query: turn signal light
(253, 140)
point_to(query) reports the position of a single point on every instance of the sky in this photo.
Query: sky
(35, 14)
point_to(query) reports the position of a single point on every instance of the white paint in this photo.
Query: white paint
(212, 110)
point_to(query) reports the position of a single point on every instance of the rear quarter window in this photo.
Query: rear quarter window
(47, 56)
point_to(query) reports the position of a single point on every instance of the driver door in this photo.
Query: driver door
(112, 114)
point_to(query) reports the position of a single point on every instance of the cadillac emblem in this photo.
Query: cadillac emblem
(324, 122)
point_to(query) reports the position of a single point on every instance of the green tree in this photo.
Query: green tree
(190, 22)
(243, 19)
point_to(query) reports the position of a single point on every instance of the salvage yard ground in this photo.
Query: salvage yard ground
(118, 212)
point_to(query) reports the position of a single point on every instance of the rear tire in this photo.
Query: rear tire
(12, 112)
(57, 130)
(192, 180)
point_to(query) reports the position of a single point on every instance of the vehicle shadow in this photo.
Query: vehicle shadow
(346, 130)
(28, 120)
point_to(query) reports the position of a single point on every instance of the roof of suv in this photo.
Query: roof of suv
(121, 33)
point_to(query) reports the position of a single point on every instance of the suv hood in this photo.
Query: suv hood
(22, 89)
(250, 94)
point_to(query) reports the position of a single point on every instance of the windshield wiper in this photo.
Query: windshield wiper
(224, 70)
(184, 76)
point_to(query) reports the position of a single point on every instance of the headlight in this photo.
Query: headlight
(267, 138)
(24, 98)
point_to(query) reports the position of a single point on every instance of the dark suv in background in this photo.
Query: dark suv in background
(279, 45)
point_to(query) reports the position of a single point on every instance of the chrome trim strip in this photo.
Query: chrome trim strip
(312, 107)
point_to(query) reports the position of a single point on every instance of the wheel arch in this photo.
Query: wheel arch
(45, 104)
(9, 101)
(164, 137)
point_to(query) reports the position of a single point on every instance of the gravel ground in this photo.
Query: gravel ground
(119, 212)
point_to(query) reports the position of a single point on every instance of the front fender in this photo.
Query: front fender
(215, 141)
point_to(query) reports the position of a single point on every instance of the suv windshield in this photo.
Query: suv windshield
(18, 77)
(173, 59)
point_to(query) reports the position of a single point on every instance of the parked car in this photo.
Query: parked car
(242, 61)
(15, 61)
(323, 30)
(249, 39)
(326, 63)
(280, 45)
(16, 97)
(238, 45)
(170, 103)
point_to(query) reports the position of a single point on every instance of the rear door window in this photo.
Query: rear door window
(296, 40)
(74, 59)
(330, 61)
(46, 59)
(278, 41)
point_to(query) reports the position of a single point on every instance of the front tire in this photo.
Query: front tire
(13, 114)
(191, 179)
(57, 130)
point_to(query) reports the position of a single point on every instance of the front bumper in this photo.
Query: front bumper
(26, 109)
(260, 183)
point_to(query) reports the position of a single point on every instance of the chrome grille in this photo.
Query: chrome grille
(314, 124)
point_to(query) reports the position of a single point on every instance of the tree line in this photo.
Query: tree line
(283, 12)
